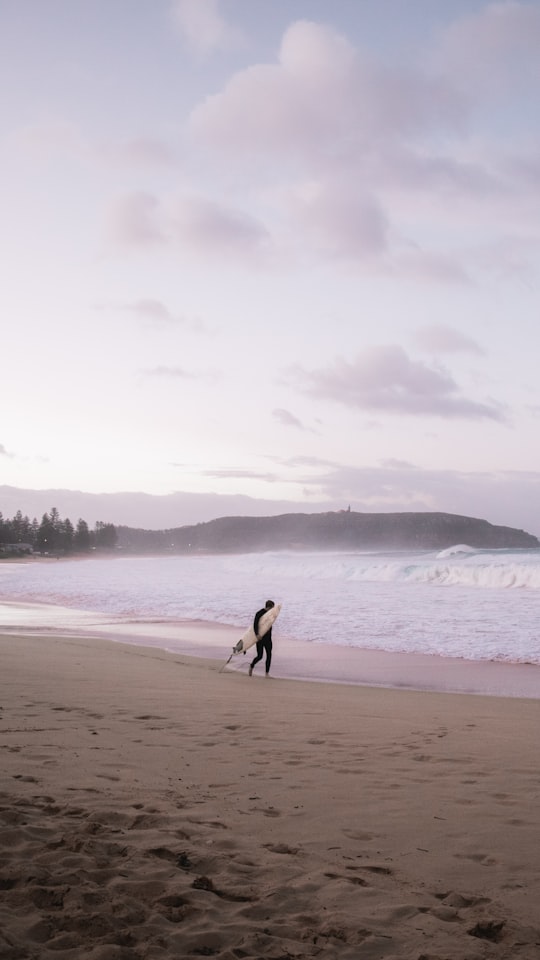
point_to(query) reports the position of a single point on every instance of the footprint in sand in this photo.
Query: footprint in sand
(358, 835)
(281, 848)
(356, 881)
(483, 858)
(460, 901)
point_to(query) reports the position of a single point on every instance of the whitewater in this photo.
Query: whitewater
(461, 602)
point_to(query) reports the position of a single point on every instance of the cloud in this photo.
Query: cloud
(241, 475)
(199, 225)
(393, 464)
(145, 152)
(344, 159)
(321, 94)
(346, 143)
(210, 227)
(438, 338)
(339, 220)
(304, 461)
(494, 49)
(153, 311)
(287, 419)
(3, 451)
(134, 220)
(175, 373)
(524, 167)
(204, 27)
(501, 496)
(386, 379)
(419, 264)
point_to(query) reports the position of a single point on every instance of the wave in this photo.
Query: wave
(458, 566)
(451, 551)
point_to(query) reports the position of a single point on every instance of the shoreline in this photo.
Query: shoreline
(292, 660)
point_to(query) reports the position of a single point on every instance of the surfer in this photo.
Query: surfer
(264, 644)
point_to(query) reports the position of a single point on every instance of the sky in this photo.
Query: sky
(287, 250)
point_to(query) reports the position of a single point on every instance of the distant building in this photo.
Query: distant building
(17, 548)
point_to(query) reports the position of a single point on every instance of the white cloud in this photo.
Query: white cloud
(204, 26)
(386, 379)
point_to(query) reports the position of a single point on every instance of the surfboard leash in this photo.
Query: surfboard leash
(225, 664)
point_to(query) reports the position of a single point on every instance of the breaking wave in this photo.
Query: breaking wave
(461, 566)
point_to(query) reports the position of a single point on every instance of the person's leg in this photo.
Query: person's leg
(260, 651)
(268, 648)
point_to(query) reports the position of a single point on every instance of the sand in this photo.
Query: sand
(154, 807)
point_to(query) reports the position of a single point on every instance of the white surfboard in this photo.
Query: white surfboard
(249, 637)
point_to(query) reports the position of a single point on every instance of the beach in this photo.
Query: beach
(155, 805)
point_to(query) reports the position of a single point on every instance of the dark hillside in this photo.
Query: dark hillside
(328, 531)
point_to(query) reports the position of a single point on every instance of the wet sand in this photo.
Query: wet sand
(291, 660)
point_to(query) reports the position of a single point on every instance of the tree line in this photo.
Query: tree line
(53, 535)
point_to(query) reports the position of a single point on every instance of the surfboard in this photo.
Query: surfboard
(249, 638)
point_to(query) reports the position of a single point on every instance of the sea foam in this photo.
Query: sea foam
(459, 602)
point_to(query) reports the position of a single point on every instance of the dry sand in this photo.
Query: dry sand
(154, 807)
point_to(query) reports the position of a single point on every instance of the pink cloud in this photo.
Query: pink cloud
(204, 26)
(339, 221)
(386, 379)
(321, 94)
(146, 152)
(152, 311)
(210, 227)
(286, 418)
(135, 219)
(494, 48)
(202, 226)
(438, 338)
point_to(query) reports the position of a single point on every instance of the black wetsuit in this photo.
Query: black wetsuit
(265, 644)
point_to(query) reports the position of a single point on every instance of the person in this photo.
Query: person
(264, 644)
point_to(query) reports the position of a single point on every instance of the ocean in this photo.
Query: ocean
(458, 603)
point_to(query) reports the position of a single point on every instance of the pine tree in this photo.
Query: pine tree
(82, 536)
(46, 538)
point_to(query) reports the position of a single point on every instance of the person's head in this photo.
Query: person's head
(269, 604)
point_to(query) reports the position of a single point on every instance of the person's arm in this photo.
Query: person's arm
(258, 616)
